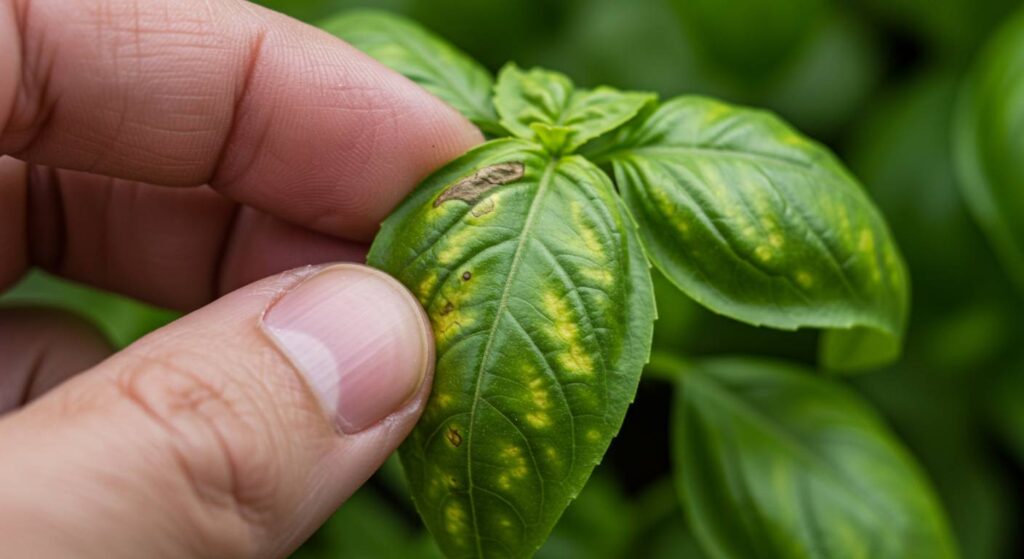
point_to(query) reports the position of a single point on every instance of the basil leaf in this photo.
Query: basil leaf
(423, 57)
(542, 309)
(773, 461)
(760, 224)
(545, 106)
(989, 144)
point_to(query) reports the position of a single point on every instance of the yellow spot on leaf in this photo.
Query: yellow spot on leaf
(599, 276)
(866, 241)
(574, 359)
(454, 518)
(539, 420)
(593, 435)
(763, 253)
(444, 399)
(586, 232)
(804, 279)
(426, 287)
(455, 244)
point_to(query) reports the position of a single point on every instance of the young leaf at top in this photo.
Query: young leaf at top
(760, 224)
(541, 303)
(543, 106)
(989, 144)
(424, 58)
(773, 461)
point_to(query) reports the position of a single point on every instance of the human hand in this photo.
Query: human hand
(238, 429)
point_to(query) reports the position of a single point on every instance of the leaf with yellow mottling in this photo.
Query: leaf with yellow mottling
(543, 316)
(762, 226)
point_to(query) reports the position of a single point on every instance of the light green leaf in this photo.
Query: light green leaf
(989, 144)
(542, 308)
(760, 224)
(545, 106)
(423, 57)
(773, 461)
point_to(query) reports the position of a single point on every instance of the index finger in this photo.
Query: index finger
(269, 111)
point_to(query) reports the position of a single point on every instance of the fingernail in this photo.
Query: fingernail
(360, 339)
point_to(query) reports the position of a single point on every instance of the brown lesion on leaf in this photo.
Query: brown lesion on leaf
(470, 189)
(467, 275)
(454, 437)
(448, 307)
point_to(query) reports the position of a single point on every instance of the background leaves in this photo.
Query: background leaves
(421, 56)
(775, 462)
(989, 144)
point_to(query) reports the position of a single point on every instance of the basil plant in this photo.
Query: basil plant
(532, 252)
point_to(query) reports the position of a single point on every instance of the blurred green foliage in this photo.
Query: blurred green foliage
(876, 79)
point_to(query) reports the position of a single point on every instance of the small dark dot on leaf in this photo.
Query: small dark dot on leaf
(454, 437)
(466, 276)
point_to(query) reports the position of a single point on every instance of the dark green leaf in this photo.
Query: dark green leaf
(542, 309)
(545, 106)
(749, 39)
(773, 461)
(989, 144)
(758, 223)
(366, 526)
(424, 58)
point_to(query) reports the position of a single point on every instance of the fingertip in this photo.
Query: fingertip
(358, 337)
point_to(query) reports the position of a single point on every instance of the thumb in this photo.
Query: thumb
(234, 431)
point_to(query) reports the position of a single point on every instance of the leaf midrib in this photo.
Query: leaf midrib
(542, 187)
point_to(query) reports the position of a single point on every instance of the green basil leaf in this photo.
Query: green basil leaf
(773, 461)
(544, 106)
(423, 57)
(989, 144)
(758, 223)
(541, 303)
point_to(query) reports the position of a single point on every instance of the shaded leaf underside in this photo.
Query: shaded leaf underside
(774, 462)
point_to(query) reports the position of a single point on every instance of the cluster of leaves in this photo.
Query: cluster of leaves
(531, 268)
(769, 458)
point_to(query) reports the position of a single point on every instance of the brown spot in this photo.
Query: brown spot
(448, 307)
(470, 189)
(454, 437)
(466, 276)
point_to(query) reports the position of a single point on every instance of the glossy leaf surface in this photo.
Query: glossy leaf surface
(758, 223)
(774, 461)
(989, 144)
(542, 309)
(422, 57)
(544, 106)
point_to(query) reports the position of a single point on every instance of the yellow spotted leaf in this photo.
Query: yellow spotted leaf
(758, 223)
(542, 308)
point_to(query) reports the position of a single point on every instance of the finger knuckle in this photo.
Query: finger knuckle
(215, 431)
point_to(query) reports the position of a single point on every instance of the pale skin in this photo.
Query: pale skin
(285, 147)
